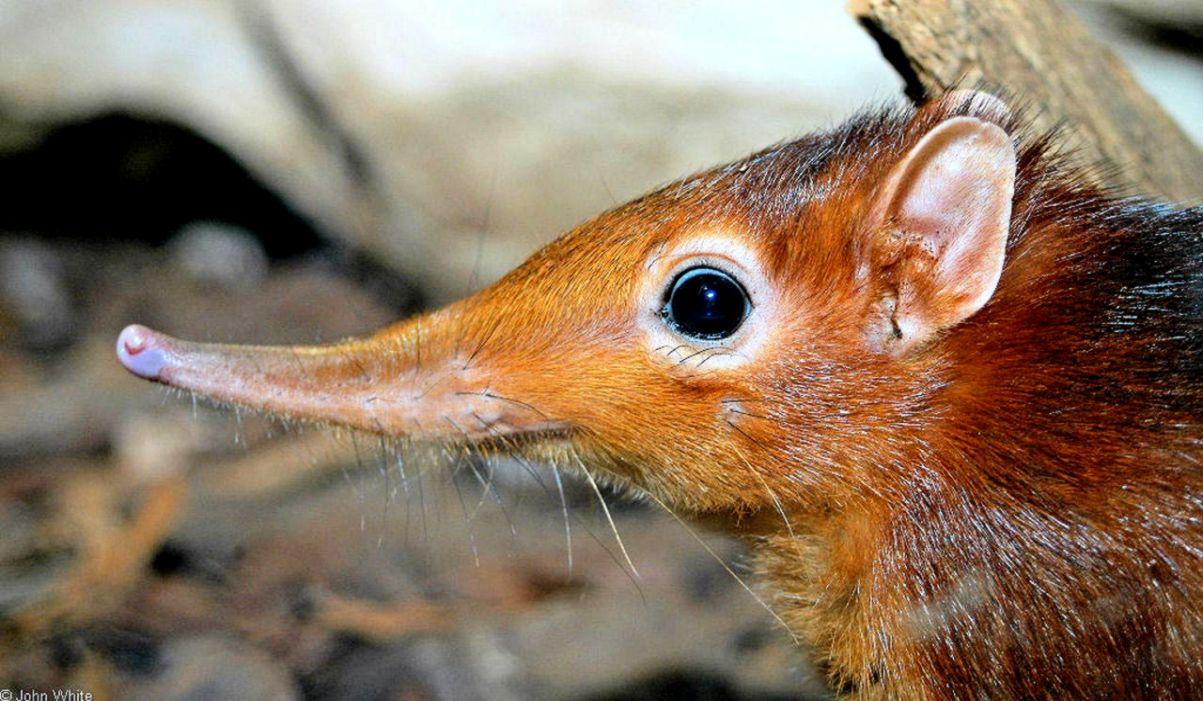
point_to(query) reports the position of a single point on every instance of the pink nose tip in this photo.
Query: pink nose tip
(137, 351)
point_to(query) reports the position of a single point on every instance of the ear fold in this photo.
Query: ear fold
(937, 232)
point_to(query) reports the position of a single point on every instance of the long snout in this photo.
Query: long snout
(405, 383)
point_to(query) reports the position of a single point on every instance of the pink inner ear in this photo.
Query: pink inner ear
(953, 192)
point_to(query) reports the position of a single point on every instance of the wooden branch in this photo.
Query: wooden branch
(1040, 53)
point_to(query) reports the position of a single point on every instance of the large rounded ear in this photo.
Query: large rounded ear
(937, 231)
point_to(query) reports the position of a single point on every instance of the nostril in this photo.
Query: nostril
(132, 339)
(137, 353)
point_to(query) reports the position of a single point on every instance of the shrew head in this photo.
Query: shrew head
(741, 334)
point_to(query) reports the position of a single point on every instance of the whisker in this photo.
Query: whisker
(401, 472)
(789, 527)
(606, 187)
(488, 486)
(359, 493)
(600, 543)
(609, 518)
(727, 567)
(486, 491)
(555, 471)
(659, 254)
(492, 395)
(356, 361)
(388, 491)
(512, 452)
(459, 493)
(486, 224)
(422, 505)
(568, 516)
(431, 386)
(719, 352)
(492, 486)
(483, 341)
(694, 354)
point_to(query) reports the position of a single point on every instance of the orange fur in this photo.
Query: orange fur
(1013, 510)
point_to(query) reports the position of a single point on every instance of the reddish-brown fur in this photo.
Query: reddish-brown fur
(1013, 510)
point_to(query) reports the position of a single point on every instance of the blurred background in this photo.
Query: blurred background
(303, 170)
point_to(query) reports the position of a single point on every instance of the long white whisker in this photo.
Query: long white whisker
(357, 489)
(555, 471)
(727, 567)
(401, 472)
(389, 492)
(459, 493)
(597, 491)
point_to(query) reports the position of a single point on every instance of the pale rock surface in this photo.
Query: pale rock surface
(409, 130)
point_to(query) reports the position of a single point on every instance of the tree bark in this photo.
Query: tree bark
(1039, 55)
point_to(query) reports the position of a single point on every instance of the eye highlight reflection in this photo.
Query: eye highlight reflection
(705, 303)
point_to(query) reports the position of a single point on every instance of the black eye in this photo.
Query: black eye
(705, 303)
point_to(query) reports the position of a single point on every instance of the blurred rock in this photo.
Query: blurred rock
(220, 254)
(71, 409)
(18, 523)
(430, 668)
(446, 143)
(216, 668)
(21, 585)
(34, 291)
(150, 446)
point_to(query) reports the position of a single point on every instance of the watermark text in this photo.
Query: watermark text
(45, 695)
